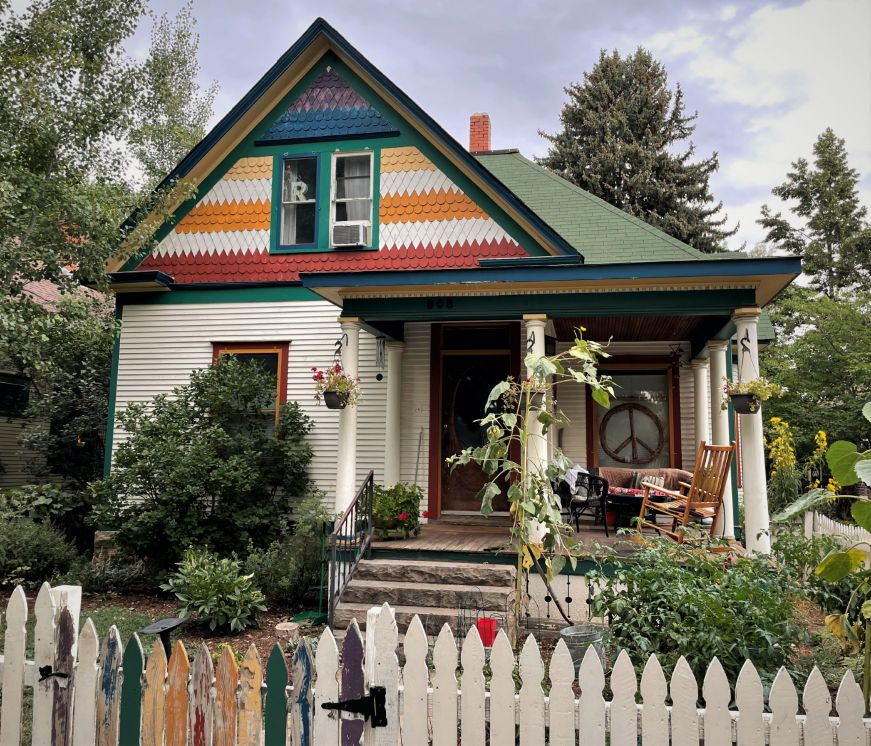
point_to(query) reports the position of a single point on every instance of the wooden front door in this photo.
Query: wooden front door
(466, 378)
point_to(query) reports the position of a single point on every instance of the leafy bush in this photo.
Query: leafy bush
(216, 590)
(289, 568)
(66, 509)
(398, 506)
(798, 557)
(117, 575)
(206, 467)
(31, 553)
(674, 599)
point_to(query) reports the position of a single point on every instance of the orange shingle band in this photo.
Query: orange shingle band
(405, 159)
(433, 205)
(251, 168)
(226, 216)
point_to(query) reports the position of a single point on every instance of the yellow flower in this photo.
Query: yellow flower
(833, 486)
(775, 420)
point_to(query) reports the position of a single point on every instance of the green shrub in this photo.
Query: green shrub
(205, 467)
(31, 553)
(289, 569)
(798, 557)
(216, 590)
(674, 599)
(398, 506)
(118, 575)
(66, 509)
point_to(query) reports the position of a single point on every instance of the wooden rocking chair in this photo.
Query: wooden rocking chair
(694, 502)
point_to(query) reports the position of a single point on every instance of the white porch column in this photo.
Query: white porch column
(392, 422)
(720, 429)
(701, 401)
(346, 456)
(536, 450)
(752, 446)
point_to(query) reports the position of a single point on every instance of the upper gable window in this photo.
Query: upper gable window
(299, 201)
(351, 199)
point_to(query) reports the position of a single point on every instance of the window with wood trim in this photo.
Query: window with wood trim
(271, 357)
(641, 429)
(14, 394)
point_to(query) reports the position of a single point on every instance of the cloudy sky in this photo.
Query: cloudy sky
(765, 77)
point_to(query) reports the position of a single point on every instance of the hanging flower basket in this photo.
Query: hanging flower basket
(745, 403)
(336, 399)
(747, 396)
(335, 387)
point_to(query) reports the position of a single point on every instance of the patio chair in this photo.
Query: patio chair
(590, 494)
(695, 502)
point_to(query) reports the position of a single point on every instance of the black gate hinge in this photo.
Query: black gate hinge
(371, 706)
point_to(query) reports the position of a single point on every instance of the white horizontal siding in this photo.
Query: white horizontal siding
(161, 344)
(414, 438)
(14, 460)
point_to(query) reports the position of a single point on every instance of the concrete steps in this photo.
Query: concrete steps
(436, 591)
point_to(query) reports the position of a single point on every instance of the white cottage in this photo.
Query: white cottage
(331, 208)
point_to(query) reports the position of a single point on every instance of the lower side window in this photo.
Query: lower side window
(271, 358)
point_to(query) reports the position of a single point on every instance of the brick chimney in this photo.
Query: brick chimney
(479, 133)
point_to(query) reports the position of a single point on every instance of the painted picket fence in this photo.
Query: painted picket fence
(112, 695)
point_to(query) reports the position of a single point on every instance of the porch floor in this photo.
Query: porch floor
(480, 538)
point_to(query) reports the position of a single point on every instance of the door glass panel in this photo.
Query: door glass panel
(634, 431)
(466, 382)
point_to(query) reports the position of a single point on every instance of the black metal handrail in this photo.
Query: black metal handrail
(350, 541)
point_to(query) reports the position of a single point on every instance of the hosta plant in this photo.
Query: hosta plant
(216, 590)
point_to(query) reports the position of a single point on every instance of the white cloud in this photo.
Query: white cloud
(794, 71)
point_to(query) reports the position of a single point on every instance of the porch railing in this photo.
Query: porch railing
(350, 541)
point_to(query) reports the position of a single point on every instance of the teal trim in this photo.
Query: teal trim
(408, 137)
(584, 564)
(642, 303)
(724, 268)
(109, 438)
(130, 711)
(224, 295)
(736, 507)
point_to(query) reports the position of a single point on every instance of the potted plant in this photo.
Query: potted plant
(335, 387)
(397, 508)
(746, 396)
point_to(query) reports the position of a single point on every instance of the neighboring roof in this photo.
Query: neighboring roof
(604, 234)
(328, 108)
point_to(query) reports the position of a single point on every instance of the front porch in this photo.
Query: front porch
(444, 338)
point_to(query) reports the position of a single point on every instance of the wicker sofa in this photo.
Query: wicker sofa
(624, 490)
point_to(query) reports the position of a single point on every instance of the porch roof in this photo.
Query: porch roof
(765, 277)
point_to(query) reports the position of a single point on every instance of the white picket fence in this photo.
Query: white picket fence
(817, 524)
(427, 701)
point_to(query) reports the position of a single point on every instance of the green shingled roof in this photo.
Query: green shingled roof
(601, 232)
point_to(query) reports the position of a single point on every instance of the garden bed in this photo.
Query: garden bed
(130, 613)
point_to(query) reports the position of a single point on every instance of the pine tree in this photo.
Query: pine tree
(834, 240)
(622, 131)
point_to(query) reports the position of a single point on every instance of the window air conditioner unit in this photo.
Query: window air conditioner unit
(351, 234)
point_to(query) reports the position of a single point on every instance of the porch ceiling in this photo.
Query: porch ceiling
(633, 328)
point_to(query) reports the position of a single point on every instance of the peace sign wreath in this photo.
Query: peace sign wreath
(635, 456)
